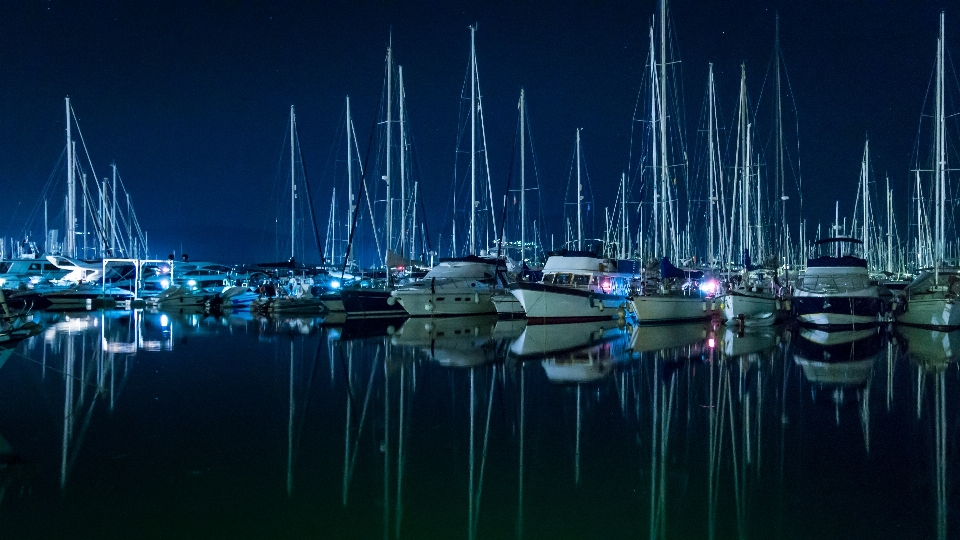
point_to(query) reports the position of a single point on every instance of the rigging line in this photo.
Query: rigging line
(503, 215)
(360, 190)
(313, 214)
(83, 143)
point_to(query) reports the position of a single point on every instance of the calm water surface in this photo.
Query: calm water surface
(150, 425)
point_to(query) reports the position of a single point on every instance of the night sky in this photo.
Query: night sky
(191, 99)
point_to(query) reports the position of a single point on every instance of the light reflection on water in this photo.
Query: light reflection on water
(114, 423)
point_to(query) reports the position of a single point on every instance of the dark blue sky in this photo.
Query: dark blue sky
(191, 99)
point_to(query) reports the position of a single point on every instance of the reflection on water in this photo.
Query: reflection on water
(115, 423)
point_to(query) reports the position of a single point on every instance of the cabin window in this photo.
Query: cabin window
(5, 267)
(34, 267)
(49, 267)
(441, 298)
(581, 280)
(563, 279)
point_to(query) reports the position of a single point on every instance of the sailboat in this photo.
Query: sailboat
(675, 294)
(931, 300)
(753, 299)
(459, 285)
(297, 297)
(372, 298)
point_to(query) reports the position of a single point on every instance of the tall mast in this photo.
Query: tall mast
(349, 162)
(713, 172)
(71, 247)
(940, 156)
(579, 197)
(523, 186)
(403, 167)
(473, 141)
(386, 177)
(778, 154)
(889, 228)
(113, 213)
(864, 181)
(664, 176)
(654, 155)
(293, 185)
(623, 216)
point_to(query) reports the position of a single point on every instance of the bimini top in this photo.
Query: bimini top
(837, 262)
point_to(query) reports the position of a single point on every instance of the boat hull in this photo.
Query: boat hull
(838, 311)
(547, 304)
(935, 313)
(670, 309)
(450, 303)
(371, 303)
(750, 309)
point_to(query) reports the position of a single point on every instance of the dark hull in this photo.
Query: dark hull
(371, 303)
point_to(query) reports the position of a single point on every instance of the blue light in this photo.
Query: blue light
(164, 320)
(334, 284)
(192, 283)
(164, 283)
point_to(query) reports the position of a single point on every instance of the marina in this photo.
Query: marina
(333, 289)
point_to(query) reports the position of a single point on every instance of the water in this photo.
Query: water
(149, 425)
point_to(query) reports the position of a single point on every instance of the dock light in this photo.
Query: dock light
(164, 283)
(334, 284)
(709, 287)
(3, 281)
(711, 343)
(34, 280)
(164, 320)
(192, 283)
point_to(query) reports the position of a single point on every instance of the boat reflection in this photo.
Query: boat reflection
(550, 339)
(748, 340)
(648, 338)
(930, 349)
(453, 341)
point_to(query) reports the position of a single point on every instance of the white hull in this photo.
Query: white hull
(507, 305)
(931, 312)
(759, 310)
(836, 319)
(423, 303)
(557, 306)
(661, 309)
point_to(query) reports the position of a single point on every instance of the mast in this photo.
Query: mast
(778, 154)
(349, 164)
(523, 186)
(473, 141)
(579, 198)
(654, 156)
(713, 171)
(403, 169)
(889, 228)
(386, 177)
(113, 213)
(941, 158)
(664, 176)
(293, 185)
(864, 180)
(71, 247)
